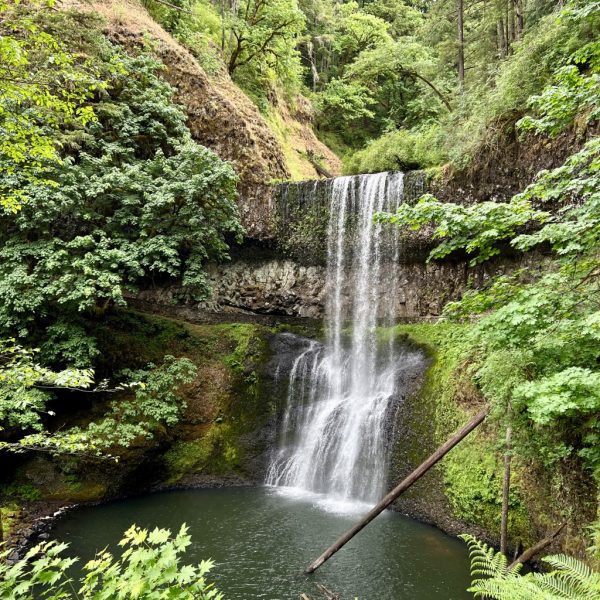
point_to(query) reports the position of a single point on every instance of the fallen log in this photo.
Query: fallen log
(320, 169)
(399, 489)
(531, 552)
(327, 593)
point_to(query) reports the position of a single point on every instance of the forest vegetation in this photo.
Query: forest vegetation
(103, 191)
(399, 84)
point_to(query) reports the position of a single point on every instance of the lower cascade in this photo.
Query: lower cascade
(335, 435)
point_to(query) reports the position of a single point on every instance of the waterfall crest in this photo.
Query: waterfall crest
(341, 393)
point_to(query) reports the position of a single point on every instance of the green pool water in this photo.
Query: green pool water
(261, 539)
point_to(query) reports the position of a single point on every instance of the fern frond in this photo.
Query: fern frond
(577, 569)
(571, 579)
(561, 587)
(510, 588)
(485, 561)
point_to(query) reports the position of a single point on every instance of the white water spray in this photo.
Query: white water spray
(333, 437)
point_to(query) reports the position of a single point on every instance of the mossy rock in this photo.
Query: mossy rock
(227, 406)
(42, 478)
(464, 491)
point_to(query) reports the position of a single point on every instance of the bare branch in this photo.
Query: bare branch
(183, 10)
(534, 550)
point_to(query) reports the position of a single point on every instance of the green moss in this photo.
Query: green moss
(302, 233)
(188, 457)
(245, 344)
(230, 400)
(215, 452)
(25, 491)
(9, 519)
(298, 166)
(471, 474)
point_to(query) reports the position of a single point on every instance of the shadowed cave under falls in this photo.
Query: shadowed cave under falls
(330, 461)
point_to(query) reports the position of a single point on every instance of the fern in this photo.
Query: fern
(569, 579)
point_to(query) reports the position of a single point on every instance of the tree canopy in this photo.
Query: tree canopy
(535, 339)
(43, 88)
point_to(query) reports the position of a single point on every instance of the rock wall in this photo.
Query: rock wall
(302, 214)
(288, 276)
(285, 287)
(506, 162)
(463, 492)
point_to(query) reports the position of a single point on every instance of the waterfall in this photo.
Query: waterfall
(334, 435)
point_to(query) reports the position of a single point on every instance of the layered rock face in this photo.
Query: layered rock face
(284, 287)
(289, 276)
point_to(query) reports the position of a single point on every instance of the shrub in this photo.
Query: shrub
(149, 568)
(400, 150)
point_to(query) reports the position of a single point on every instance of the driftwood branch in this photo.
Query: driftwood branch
(534, 550)
(327, 594)
(17, 448)
(320, 169)
(400, 488)
(179, 8)
(79, 390)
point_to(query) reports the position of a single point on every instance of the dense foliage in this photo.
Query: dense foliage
(132, 199)
(43, 88)
(568, 578)
(103, 191)
(395, 84)
(254, 41)
(146, 401)
(21, 402)
(117, 195)
(149, 568)
(534, 341)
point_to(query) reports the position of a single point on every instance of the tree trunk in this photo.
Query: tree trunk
(507, 30)
(519, 15)
(501, 39)
(399, 489)
(222, 26)
(461, 41)
(435, 90)
(512, 11)
(531, 552)
(505, 493)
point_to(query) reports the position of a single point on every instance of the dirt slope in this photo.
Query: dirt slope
(220, 115)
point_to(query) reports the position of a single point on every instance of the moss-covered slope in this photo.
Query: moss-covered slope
(463, 493)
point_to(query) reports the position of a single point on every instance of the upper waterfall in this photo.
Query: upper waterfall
(333, 436)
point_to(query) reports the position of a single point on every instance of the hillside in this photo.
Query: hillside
(220, 115)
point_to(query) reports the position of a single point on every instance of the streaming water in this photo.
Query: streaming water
(334, 435)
